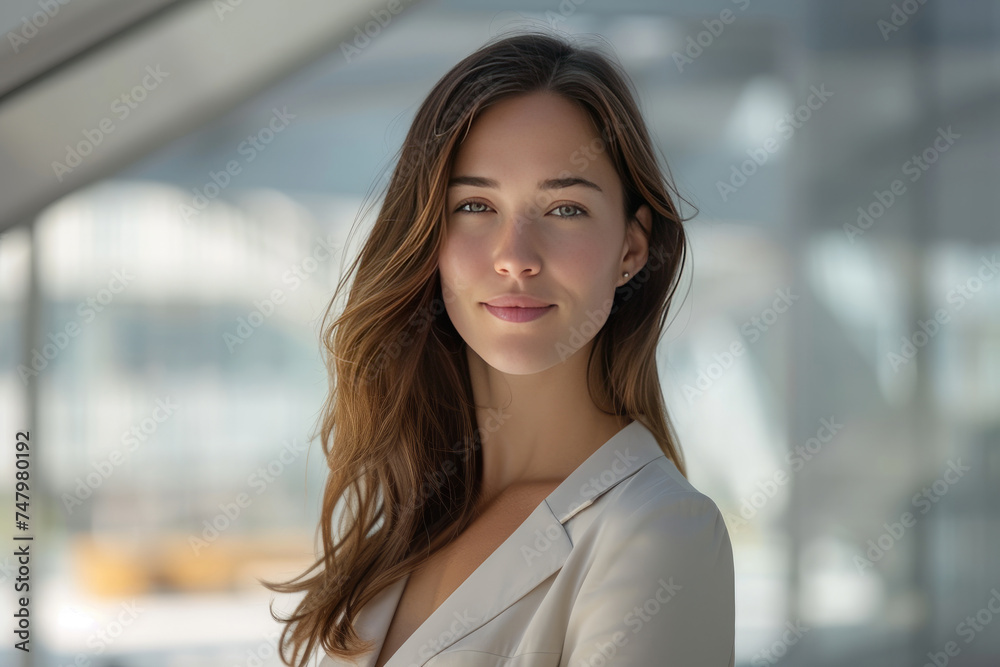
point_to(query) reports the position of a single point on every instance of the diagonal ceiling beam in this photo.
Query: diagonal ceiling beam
(41, 35)
(156, 80)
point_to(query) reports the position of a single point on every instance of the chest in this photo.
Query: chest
(440, 575)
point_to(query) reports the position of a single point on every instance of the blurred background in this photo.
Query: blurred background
(177, 180)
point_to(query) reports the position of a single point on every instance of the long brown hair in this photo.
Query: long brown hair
(398, 428)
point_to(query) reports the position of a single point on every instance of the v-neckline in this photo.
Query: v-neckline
(610, 464)
(549, 487)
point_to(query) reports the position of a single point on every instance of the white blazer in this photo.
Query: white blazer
(624, 564)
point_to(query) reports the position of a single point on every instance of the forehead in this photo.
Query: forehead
(533, 136)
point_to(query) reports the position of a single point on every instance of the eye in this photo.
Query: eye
(579, 211)
(574, 211)
(462, 207)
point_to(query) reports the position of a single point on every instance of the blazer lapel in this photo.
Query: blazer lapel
(374, 618)
(529, 556)
(536, 549)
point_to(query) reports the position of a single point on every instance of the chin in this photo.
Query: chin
(518, 358)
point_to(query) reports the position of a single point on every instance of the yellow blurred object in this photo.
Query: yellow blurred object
(123, 566)
(180, 569)
(110, 569)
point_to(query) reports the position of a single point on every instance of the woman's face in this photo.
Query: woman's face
(534, 208)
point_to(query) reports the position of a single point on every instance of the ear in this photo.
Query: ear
(645, 217)
(636, 242)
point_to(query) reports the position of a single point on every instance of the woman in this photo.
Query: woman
(510, 488)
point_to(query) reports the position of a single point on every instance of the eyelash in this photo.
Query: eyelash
(582, 212)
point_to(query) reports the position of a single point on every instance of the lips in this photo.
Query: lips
(517, 301)
(516, 313)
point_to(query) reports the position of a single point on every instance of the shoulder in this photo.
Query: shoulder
(658, 494)
(657, 517)
(657, 578)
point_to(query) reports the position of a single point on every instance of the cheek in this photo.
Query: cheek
(588, 264)
(457, 264)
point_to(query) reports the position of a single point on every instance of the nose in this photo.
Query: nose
(515, 251)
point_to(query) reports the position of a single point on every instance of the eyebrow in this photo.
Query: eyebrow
(545, 184)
